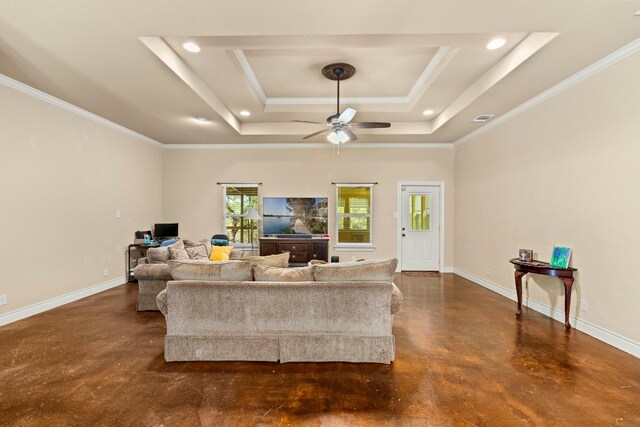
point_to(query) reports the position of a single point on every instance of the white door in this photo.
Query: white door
(420, 228)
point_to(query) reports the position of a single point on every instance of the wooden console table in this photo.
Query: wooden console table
(302, 250)
(539, 267)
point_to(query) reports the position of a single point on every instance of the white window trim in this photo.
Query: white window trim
(224, 211)
(355, 247)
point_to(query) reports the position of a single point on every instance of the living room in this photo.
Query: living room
(100, 138)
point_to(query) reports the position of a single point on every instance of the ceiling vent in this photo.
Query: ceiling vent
(483, 118)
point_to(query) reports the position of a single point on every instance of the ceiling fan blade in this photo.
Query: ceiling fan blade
(369, 125)
(306, 121)
(316, 133)
(352, 136)
(347, 115)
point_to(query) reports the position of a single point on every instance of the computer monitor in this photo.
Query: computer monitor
(165, 231)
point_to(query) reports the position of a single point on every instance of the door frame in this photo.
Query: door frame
(399, 220)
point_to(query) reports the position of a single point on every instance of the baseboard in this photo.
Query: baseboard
(40, 307)
(447, 270)
(611, 338)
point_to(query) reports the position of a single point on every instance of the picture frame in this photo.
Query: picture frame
(560, 257)
(525, 255)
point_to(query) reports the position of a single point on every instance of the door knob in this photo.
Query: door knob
(402, 228)
(402, 234)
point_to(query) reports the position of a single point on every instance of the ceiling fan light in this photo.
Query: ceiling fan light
(342, 136)
(333, 137)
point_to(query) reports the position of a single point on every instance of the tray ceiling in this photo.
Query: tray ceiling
(127, 62)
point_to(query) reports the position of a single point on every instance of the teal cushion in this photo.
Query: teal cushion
(219, 242)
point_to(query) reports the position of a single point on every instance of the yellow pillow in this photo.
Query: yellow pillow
(220, 253)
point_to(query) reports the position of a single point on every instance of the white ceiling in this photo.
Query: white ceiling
(124, 61)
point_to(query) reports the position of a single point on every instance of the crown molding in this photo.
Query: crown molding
(296, 145)
(38, 94)
(593, 69)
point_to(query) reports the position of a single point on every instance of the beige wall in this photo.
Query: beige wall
(563, 173)
(62, 178)
(192, 198)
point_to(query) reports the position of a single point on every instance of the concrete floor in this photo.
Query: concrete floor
(462, 359)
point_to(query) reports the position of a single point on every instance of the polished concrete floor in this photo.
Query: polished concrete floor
(462, 359)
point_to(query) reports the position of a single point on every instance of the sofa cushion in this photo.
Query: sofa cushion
(161, 255)
(220, 253)
(279, 260)
(223, 271)
(152, 272)
(376, 270)
(197, 252)
(264, 273)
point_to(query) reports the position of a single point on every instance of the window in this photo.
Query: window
(419, 215)
(354, 215)
(238, 199)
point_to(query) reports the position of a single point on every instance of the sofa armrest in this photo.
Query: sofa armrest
(396, 299)
(161, 300)
(152, 272)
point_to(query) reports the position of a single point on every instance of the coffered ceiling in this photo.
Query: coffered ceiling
(125, 61)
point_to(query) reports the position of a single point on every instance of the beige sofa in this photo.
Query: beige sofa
(327, 318)
(152, 272)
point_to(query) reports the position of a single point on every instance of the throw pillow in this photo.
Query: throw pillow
(168, 242)
(213, 271)
(197, 252)
(374, 270)
(161, 255)
(193, 243)
(220, 253)
(265, 273)
(279, 260)
(178, 253)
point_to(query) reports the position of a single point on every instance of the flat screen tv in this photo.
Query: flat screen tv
(295, 215)
(165, 231)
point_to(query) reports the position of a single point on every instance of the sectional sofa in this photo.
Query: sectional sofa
(152, 271)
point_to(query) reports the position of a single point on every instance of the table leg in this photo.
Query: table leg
(568, 284)
(518, 275)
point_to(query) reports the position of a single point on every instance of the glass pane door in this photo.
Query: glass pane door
(419, 212)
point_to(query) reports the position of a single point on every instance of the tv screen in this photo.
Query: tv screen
(165, 231)
(295, 215)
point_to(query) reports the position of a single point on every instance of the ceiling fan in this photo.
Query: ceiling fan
(339, 123)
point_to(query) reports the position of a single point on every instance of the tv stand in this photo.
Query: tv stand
(302, 250)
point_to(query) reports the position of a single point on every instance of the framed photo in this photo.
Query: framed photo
(526, 255)
(560, 257)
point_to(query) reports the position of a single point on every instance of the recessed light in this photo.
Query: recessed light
(483, 118)
(637, 13)
(496, 44)
(191, 47)
(245, 113)
(202, 119)
(428, 112)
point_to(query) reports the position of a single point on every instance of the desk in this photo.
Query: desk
(539, 267)
(143, 251)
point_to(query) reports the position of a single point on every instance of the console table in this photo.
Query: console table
(544, 268)
(302, 250)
